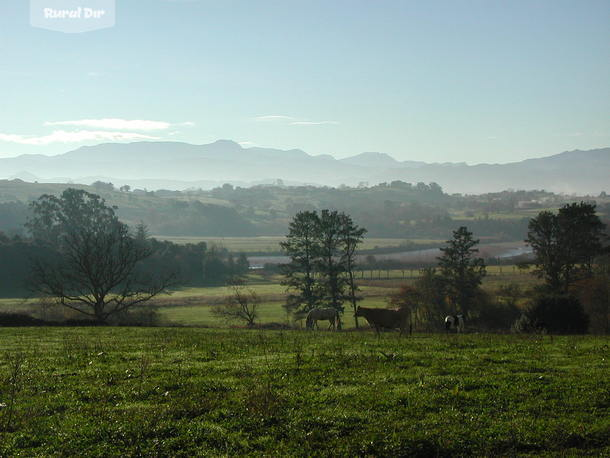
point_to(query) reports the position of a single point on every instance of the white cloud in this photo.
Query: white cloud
(294, 121)
(61, 136)
(274, 118)
(119, 124)
(313, 123)
(246, 144)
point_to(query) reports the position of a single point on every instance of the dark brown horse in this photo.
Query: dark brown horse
(385, 318)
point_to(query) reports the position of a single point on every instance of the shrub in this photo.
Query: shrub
(137, 316)
(19, 319)
(559, 314)
(594, 295)
(496, 316)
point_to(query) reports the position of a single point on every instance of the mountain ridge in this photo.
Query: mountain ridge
(227, 161)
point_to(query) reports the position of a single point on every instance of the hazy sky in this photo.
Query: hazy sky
(474, 81)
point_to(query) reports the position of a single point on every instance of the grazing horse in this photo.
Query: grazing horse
(454, 322)
(384, 318)
(327, 313)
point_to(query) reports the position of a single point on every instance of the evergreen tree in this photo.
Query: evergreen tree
(303, 248)
(461, 272)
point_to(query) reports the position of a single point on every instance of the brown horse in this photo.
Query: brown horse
(385, 318)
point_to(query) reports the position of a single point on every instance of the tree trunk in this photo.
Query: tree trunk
(99, 313)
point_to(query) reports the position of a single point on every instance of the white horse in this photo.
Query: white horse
(328, 313)
(454, 322)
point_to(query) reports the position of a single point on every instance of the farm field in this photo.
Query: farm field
(193, 306)
(167, 391)
(271, 244)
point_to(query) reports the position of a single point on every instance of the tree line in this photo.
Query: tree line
(82, 256)
(78, 251)
(571, 257)
(396, 209)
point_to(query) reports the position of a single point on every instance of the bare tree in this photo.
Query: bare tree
(95, 270)
(241, 305)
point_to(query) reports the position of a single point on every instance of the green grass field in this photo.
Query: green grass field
(187, 392)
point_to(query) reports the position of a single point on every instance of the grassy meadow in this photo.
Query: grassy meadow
(223, 392)
(193, 306)
(196, 386)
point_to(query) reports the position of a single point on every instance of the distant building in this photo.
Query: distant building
(525, 204)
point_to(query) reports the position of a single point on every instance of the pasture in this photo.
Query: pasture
(185, 392)
(193, 306)
(271, 244)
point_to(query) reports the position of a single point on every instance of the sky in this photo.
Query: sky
(439, 81)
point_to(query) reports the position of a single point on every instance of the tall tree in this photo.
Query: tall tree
(303, 248)
(330, 263)
(351, 236)
(543, 236)
(460, 270)
(565, 244)
(95, 270)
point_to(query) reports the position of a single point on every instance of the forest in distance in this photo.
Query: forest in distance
(388, 210)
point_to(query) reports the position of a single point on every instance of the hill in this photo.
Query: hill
(394, 210)
(178, 166)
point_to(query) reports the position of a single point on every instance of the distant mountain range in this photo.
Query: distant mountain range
(173, 165)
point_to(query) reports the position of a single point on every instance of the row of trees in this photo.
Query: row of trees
(322, 251)
(322, 248)
(86, 259)
(570, 255)
(83, 257)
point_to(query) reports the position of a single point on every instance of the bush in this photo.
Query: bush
(19, 319)
(594, 295)
(555, 314)
(496, 316)
(137, 316)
